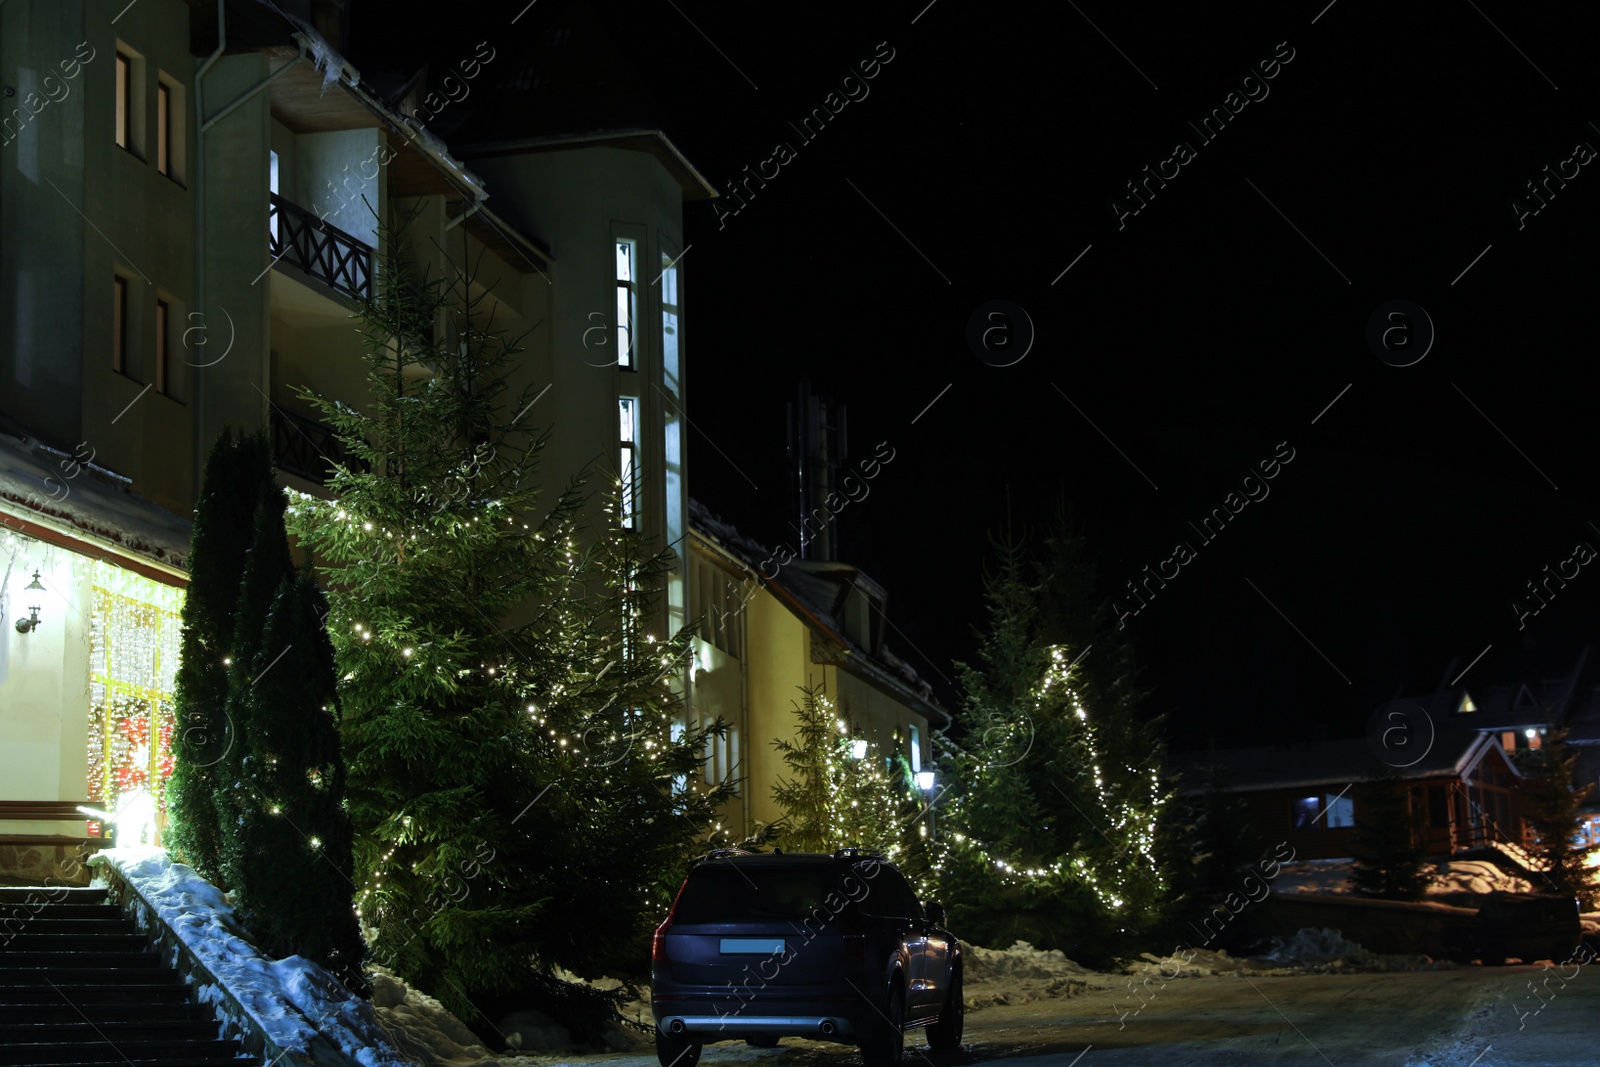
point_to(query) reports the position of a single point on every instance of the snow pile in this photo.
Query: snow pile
(1315, 946)
(292, 1000)
(429, 1034)
(1022, 973)
(1455, 880)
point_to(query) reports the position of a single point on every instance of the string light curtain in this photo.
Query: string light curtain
(134, 628)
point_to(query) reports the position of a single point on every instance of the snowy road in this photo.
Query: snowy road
(1471, 1017)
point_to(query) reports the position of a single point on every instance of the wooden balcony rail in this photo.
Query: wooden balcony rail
(319, 248)
(306, 447)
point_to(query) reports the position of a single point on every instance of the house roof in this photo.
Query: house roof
(1545, 698)
(1453, 752)
(815, 591)
(60, 499)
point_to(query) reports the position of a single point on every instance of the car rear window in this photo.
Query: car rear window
(750, 893)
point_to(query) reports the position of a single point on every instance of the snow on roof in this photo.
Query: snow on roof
(59, 489)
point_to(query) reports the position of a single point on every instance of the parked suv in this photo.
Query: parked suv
(763, 945)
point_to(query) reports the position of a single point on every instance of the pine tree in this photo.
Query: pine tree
(294, 879)
(1555, 801)
(1390, 857)
(519, 793)
(237, 471)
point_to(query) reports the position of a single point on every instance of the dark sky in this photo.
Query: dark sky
(1180, 349)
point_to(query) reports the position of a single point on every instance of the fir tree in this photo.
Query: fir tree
(835, 799)
(1055, 805)
(519, 793)
(1555, 801)
(1390, 858)
(237, 471)
(294, 879)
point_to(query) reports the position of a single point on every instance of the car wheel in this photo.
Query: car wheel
(676, 1051)
(946, 1033)
(762, 1041)
(885, 1047)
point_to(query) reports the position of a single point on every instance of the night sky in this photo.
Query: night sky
(1186, 341)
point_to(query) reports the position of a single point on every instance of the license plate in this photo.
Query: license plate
(755, 946)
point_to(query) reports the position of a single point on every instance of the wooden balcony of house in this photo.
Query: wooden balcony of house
(318, 249)
(304, 447)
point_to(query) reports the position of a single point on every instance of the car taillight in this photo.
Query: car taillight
(658, 943)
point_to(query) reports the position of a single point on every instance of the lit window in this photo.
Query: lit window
(1330, 811)
(670, 325)
(163, 313)
(916, 749)
(163, 129)
(119, 324)
(124, 101)
(1508, 740)
(272, 187)
(628, 460)
(627, 304)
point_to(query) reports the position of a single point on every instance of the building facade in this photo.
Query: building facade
(189, 205)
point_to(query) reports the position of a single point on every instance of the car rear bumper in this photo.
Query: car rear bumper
(735, 1025)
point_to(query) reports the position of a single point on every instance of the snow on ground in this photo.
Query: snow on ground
(291, 999)
(1457, 878)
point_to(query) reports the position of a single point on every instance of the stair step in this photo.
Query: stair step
(74, 1008)
(34, 962)
(167, 1053)
(51, 941)
(121, 988)
(46, 923)
(96, 1029)
(24, 911)
(53, 894)
(220, 1059)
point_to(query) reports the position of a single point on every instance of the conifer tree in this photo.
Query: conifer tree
(294, 877)
(1389, 855)
(267, 565)
(519, 793)
(237, 471)
(1555, 801)
(835, 799)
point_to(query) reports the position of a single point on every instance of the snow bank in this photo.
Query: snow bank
(1022, 974)
(292, 1000)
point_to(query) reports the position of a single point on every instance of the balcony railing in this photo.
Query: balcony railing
(319, 248)
(306, 447)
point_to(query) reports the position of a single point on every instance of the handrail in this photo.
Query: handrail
(316, 246)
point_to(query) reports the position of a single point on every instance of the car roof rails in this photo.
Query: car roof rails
(723, 853)
(859, 853)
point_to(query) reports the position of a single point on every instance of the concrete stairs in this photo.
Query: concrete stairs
(80, 985)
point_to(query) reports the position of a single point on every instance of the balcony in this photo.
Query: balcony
(305, 447)
(319, 249)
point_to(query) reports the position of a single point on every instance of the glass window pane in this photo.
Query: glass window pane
(163, 134)
(624, 326)
(624, 261)
(122, 100)
(161, 346)
(119, 323)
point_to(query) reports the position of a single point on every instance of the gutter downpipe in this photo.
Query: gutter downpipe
(202, 126)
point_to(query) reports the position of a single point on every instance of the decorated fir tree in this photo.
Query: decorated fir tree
(516, 782)
(843, 792)
(292, 843)
(267, 565)
(237, 472)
